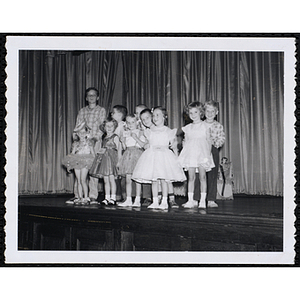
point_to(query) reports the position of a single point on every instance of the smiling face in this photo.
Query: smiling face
(210, 113)
(109, 128)
(195, 114)
(92, 97)
(131, 123)
(158, 118)
(146, 119)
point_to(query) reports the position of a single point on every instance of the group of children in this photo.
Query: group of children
(141, 148)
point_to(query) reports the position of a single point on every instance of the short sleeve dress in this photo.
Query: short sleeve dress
(197, 149)
(107, 164)
(132, 153)
(158, 161)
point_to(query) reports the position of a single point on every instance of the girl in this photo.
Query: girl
(158, 162)
(132, 143)
(107, 166)
(146, 118)
(196, 153)
(80, 159)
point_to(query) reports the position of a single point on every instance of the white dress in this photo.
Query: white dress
(158, 161)
(197, 148)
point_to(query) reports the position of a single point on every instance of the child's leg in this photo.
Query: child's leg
(79, 186)
(137, 200)
(155, 195)
(84, 173)
(113, 187)
(191, 183)
(128, 201)
(212, 179)
(128, 185)
(164, 201)
(171, 194)
(106, 187)
(203, 185)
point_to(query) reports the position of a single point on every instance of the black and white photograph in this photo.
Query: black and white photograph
(150, 150)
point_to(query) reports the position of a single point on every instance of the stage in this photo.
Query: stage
(247, 223)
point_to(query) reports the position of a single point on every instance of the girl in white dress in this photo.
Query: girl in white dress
(158, 162)
(196, 153)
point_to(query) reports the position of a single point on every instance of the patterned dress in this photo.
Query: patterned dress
(106, 164)
(132, 153)
(81, 155)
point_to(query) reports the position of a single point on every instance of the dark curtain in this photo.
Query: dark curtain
(52, 86)
(249, 89)
(247, 85)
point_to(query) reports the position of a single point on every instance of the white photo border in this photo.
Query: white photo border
(16, 43)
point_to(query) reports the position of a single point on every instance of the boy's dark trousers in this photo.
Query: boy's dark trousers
(211, 176)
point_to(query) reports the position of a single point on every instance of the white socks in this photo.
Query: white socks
(191, 202)
(202, 203)
(137, 202)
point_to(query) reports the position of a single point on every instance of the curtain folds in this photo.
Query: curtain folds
(247, 85)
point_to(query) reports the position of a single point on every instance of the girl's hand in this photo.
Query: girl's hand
(133, 135)
(122, 139)
(102, 151)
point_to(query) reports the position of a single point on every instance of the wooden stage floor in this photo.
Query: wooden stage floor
(247, 223)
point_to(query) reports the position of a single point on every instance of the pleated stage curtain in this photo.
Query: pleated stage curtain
(247, 85)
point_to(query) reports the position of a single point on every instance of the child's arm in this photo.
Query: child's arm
(73, 147)
(122, 141)
(173, 140)
(119, 148)
(145, 134)
(139, 139)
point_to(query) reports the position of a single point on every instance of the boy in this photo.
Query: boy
(217, 137)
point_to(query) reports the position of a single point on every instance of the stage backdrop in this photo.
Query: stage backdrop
(247, 85)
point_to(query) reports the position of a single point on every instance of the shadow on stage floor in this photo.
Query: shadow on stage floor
(247, 223)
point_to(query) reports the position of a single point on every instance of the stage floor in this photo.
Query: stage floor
(247, 223)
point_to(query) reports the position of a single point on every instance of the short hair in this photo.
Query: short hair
(133, 116)
(92, 89)
(141, 106)
(108, 120)
(212, 103)
(195, 104)
(164, 112)
(122, 109)
(146, 110)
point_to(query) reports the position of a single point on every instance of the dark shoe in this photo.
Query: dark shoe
(173, 203)
(71, 201)
(202, 211)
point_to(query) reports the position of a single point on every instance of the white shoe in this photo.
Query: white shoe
(137, 203)
(212, 204)
(154, 205)
(127, 202)
(163, 205)
(190, 204)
